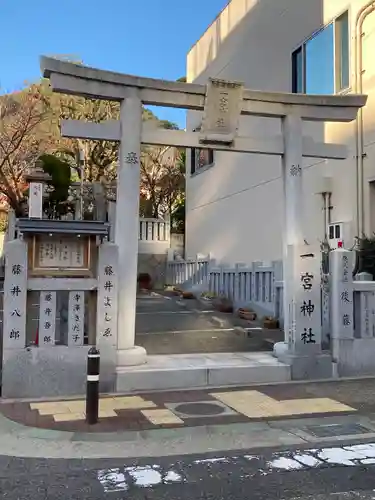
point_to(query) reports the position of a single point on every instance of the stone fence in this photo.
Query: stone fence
(258, 286)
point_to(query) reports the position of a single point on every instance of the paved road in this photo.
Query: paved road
(264, 475)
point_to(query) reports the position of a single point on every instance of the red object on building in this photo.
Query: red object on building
(339, 244)
(37, 337)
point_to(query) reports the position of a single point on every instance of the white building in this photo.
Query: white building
(234, 201)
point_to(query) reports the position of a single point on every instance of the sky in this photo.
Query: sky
(140, 37)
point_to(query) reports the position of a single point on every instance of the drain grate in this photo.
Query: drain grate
(332, 430)
(200, 409)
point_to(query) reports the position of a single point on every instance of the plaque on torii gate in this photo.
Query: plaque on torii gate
(219, 131)
(222, 111)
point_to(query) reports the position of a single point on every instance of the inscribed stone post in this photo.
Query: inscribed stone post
(76, 320)
(341, 267)
(364, 309)
(107, 295)
(305, 329)
(47, 318)
(15, 295)
(36, 200)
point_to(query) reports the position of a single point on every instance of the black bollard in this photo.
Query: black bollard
(92, 386)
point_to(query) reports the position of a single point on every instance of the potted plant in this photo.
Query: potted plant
(270, 322)
(246, 313)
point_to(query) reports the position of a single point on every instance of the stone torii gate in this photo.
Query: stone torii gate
(222, 103)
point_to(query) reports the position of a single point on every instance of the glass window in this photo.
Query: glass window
(201, 158)
(297, 71)
(342, 52)
(321, 65)
(320, 71)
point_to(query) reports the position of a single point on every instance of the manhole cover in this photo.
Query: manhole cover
(197, 409)
(200, 409)
(332, 430)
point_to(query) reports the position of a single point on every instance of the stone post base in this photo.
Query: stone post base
(318, 366)
(131, 357)
(280, 349)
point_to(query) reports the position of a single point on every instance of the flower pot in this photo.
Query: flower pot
(271, 324)
(247, 314)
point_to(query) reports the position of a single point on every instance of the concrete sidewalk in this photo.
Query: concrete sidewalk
(293, 415)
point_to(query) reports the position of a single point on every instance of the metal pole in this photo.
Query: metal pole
(92, 386)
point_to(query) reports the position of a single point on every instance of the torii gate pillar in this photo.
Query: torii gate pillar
(127, 228)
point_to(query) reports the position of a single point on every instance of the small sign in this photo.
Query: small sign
(76, 322)
(221, 111)
(68, 255)
(47, 318)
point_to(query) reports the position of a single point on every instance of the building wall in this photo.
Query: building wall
(235, 207)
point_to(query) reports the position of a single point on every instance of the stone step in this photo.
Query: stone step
(187, 371)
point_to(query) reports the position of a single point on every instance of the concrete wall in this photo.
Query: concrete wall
(235, 208)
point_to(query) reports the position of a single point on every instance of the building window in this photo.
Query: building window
(297, 71)
(201, 158)
(342, 52)
(321, 64)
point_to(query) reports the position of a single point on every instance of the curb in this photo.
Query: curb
(28, 442)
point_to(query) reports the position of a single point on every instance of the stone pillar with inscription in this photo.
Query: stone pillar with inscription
(14, 315)
(36, 200)
(342, 306)
(127, 228)
(303, 315)
(47, 318)
(292, 174)
(107, 314)
(15, 295)
(107, 310)
(36, 179)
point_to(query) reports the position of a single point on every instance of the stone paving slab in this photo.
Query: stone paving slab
(193, 408)
(167, 324)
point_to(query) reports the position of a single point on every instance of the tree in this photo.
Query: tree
(30, 127)
(24, 135)
(101, 157)
(178, 212)
(162, 180)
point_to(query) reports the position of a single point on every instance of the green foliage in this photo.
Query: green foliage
(366, 255)
(59, 170)
(178, 216)
(168, 125)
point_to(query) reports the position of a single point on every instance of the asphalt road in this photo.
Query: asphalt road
(210, 477)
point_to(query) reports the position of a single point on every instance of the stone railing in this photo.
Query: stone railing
(258, 285)
(154, 229)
